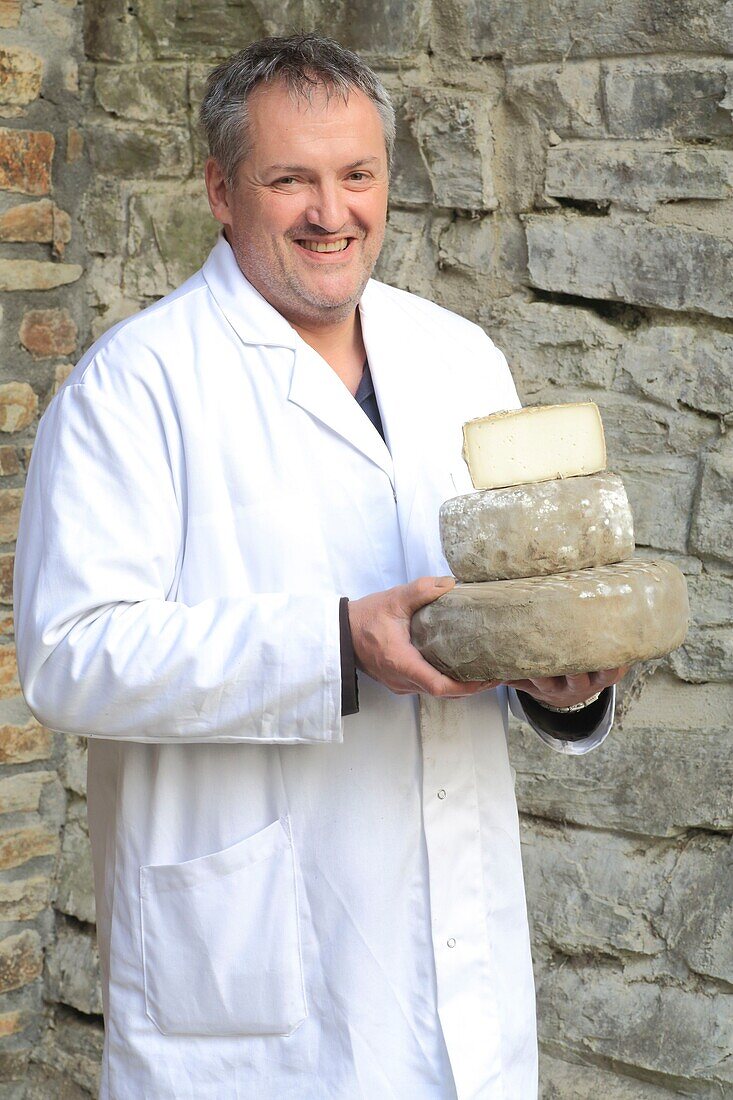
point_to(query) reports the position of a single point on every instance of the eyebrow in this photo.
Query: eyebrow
(303, 168)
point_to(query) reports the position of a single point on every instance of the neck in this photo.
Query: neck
(341, 345)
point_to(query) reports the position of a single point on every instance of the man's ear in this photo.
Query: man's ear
(217, 191)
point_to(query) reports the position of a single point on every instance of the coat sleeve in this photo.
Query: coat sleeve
(104, 648)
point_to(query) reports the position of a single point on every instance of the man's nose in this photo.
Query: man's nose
(327, 208)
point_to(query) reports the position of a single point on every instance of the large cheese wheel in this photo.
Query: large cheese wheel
(583, 621)
(529, 530)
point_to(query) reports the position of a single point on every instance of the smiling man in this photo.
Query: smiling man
(232, 505)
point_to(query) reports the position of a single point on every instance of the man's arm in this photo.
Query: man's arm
(104, 647)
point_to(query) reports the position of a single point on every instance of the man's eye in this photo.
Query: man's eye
(357, 176)
(285, 180)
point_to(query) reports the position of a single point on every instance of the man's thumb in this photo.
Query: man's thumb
(426, 589)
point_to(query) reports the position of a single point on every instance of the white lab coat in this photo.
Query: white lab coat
(291, 906)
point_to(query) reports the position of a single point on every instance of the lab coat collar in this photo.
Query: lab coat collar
(251, 316)
(314, 386)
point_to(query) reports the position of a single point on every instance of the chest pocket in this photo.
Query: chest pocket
(221, 942)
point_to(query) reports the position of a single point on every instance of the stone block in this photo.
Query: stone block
(535, 30)
(74, 145)
(10, 13)
(560, 1080)
(681, 365)
(706, 655)
(591, 892)
(21, 960)
(490, 249)
(9, 465)
(168, 240)
(206, 28)
(72, 1054)
(24, 899)
(104, 218)
(11, 1023)
(565, 99)
(25, 161)
(603, 1012)
(21, 744)
(550, 345)
(195, 28)
(75, 891)
(711, 599)
(46, 332)
(658, 781)
(635, 428)
(18, 400)
(667, 703)
(18, 846)
(701, 932)
(712, 525)
(21, 793)
(146, 92)
(72, 969)
(110, 31)
(637, 176)
(661, 490)
(443, 152)
(42, 222)
(7, 563)
(680, 99)
(30, 221)
(409, 257)
(73, 767)
(10, 502)
(20, 76)
(60, 373)
(647, 265)
(373, 28)
(37, 274)
(129, 152)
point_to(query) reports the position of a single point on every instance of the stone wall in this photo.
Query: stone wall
(565, 177)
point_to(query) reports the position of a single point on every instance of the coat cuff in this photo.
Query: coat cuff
(575, 733)
(349, 682)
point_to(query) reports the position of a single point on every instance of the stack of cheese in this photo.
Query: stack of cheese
(543, 550)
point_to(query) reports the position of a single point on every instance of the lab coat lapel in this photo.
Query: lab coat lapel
(314, 386)
(317, 389)
(396, 354)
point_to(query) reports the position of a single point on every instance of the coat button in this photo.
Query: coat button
(441, 793)
(451, 942)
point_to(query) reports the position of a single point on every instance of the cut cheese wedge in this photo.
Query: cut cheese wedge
(545, 527)
(538, 443)
(582, 621)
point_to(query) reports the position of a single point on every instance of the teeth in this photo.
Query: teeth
(325, 246)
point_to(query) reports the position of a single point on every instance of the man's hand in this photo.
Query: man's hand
(566, 691)
(380, 632)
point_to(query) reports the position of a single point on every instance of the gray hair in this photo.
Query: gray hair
(303, 62)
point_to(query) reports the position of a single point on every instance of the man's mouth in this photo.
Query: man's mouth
(325, 246)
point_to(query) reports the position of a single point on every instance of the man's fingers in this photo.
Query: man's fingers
(423, 591)
(431, 682)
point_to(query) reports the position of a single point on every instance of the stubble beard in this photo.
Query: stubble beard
(292, 297)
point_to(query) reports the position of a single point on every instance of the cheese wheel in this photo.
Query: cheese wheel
(531, 530)
(534, 444)
(582, 621)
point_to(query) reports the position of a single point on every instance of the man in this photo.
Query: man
(299, 896)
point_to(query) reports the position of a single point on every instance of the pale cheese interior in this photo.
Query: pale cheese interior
(538, 443)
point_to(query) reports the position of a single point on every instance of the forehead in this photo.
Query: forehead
(283, 124)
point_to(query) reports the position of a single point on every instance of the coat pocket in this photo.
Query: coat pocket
(221, 943)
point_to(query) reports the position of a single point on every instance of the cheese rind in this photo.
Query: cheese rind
(556, 625)
(532, 530)
(537, 443)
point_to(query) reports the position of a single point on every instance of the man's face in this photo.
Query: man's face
(307, 213)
